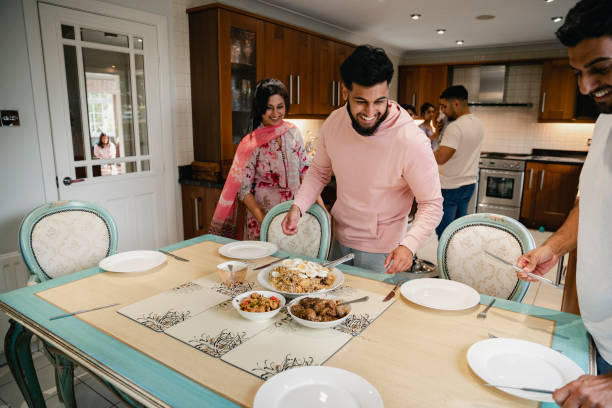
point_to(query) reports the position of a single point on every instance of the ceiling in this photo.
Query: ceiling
(388, 21)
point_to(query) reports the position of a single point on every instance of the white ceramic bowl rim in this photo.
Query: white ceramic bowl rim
(236, 301)
(309, 323)
(235, 264)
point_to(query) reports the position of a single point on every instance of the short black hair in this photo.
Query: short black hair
(409, 107)
(366, 66)
(263, 91)
(426, 106)
(455, 92)
(587, 19)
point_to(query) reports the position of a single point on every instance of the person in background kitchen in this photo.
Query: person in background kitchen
(458, 154)
(410, 109)
(381, 161)
(268, 164)
(105, 149)
(587, 32)
(428, 112)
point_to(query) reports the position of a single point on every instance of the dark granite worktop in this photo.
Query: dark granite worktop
(543, 156)
(186, 178)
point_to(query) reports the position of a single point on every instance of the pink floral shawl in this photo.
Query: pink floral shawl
(223, 222)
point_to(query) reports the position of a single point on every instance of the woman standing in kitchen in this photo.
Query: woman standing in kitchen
(268, 165)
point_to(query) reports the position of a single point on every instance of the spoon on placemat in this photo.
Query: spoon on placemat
(358, 300)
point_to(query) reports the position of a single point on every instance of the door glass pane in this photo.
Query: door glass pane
(113, 169)
(74, 102)
(138, 43)
(145, 165)
(243, 79)
(67, 32)
(102, 37)
(80, 172)
(142, 104)
(109, 103)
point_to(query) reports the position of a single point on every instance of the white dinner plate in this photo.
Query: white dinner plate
(520, 363)
(263, 277)
(317, 387)
(442, 294)
(248, 249)
(132, 261)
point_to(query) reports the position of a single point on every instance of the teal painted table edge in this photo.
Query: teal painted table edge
(570, 335)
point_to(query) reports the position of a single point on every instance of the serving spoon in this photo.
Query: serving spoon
(358, 300)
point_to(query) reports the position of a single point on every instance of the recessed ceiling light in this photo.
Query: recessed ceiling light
(485, 17)
(140, 40)
(415, 16)
(459, 42)
(549, 1)
(440, 31)
(113, 66)
(557, 19)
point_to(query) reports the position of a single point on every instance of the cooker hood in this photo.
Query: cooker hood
(486, 85)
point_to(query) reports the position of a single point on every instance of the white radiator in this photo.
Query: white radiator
(13, 275)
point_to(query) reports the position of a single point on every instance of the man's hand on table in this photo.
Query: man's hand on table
(538, 261)
(290, 222)
(400, 260)
(588, 391)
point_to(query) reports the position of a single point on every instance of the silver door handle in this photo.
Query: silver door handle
(530, 177)
(298, 90)
(333, 93)
(338, 90)
(290, 89)
(543, 101)
(68, 181)
(195, 210)
(542, 180)
(414, 99)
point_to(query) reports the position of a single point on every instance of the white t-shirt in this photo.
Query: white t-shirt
(594, 267)
(465, 135)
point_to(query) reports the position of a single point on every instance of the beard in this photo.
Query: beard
(362, 130)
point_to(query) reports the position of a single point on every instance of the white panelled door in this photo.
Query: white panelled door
(103, 85)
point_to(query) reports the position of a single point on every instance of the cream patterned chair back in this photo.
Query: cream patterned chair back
(64, 237)
(461, 254)
(313, 236)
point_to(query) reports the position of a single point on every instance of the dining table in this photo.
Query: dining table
(415, 356)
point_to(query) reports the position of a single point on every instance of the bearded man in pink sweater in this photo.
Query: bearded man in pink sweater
(381, 161)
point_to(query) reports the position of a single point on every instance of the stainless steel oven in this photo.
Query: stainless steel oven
(501, 186)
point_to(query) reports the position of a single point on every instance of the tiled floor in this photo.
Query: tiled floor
(90, 393)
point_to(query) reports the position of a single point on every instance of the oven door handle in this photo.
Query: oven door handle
(487, 172)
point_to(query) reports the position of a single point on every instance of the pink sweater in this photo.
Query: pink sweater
(377, 178)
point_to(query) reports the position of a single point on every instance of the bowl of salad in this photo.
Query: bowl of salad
(258, 305)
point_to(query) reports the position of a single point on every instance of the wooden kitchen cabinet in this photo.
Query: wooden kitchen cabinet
(549, 193)
(418, 84)
(327, 90)
(560, 99)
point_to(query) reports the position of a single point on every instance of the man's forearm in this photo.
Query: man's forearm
(566, 237)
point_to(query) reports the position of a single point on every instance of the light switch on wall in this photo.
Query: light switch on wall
(9, 118)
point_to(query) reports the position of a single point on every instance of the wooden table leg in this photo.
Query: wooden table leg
(19, 357)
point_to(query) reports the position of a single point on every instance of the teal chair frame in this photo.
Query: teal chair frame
(512, 226)
(315, 210)
(29, 222)
(18, 339)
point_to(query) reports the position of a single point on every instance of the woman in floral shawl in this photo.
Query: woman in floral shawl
(268, 165)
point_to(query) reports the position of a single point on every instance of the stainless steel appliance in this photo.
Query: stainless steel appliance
(501, 184)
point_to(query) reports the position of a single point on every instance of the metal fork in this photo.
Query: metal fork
(483, 314)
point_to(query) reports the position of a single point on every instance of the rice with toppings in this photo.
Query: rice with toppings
(301, 276)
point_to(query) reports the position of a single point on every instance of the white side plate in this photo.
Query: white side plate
(317, 387)
(441, 294)
(520, 363)
(132, 261)
(248, 249)
(263, 277)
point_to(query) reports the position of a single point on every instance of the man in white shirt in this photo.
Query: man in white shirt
(458, 154)
(587, 32)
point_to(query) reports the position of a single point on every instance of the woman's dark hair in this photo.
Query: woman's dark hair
(587, 19)
(366, 66)
(426, 106)
(455, 92)
(100, 140)
(263, 91)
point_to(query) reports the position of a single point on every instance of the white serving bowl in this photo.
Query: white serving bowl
(258, 316)
(317, 325)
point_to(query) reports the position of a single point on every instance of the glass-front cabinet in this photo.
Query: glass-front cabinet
(225, 51)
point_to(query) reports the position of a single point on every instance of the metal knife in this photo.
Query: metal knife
(270, 263)
(334, 263)
(521, 388)
(392, 293)
(516, 268)
(178, 258)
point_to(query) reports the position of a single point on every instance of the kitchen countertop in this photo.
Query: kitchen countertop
(542, 155)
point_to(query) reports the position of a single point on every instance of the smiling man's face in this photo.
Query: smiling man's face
(591, 59)
(368, 107)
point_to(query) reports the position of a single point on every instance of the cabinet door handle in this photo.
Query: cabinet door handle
(333, 93)
(414, 99)
(298, 90)
(542, 179)
(195, 210)
(290, 88)
(338, 90)
(543, 101)
(530, 177)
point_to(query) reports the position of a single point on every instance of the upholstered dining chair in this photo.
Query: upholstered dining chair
(59, 238)
(461, 254)
(314, 231)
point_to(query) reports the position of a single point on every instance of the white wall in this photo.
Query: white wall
(21, 185)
